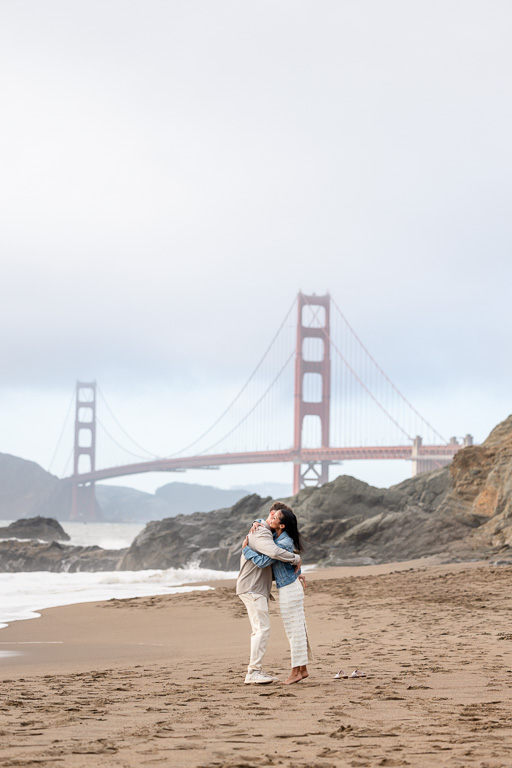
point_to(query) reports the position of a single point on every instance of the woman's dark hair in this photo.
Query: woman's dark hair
(291, 526)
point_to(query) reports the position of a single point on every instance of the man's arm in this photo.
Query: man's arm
(256, 524)
(261, 541)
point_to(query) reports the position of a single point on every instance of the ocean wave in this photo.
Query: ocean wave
(22, 595)
(172, 576)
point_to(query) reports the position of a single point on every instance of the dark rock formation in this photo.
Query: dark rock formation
(37, 556)
(344, 522)
(42, 528)
(427, 490)
(211, 539)
(349, 521)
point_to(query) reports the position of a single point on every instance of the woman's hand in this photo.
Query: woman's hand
(302, 580)
(246, 542)
(254, 526)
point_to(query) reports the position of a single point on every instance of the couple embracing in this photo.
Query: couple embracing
(272, 550)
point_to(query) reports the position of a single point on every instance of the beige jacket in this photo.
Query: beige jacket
(259, 580)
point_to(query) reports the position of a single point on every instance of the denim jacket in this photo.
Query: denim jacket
(284, 573)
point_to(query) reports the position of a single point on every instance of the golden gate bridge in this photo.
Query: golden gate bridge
(342, 407)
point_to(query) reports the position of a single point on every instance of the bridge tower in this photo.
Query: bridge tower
(316, 326)
(83, 497)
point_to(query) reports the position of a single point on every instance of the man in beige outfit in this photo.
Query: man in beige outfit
(253, 588)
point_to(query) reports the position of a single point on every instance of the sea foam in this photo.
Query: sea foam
(22, 595)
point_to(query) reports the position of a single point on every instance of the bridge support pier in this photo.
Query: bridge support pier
(419, 465)
(316, 473)
(425, 463)
(83, 497)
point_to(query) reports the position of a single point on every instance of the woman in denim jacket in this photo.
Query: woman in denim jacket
(290, 590)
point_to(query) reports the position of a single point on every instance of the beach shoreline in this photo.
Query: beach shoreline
(25, 595)
(159, 680)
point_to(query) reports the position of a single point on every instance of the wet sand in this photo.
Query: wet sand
(158, 681)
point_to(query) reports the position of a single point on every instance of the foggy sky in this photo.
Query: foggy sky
(173, 173)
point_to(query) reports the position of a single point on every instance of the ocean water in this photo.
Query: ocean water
(23, 595)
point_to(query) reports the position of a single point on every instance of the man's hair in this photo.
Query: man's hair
(280, 505)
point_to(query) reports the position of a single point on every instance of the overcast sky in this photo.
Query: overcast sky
(172, 173)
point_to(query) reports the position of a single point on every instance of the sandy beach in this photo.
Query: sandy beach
(159, 680)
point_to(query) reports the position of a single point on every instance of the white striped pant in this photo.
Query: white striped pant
(291, 603)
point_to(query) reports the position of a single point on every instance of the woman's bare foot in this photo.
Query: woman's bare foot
(304, 672)
(295, 676)
(292, 679)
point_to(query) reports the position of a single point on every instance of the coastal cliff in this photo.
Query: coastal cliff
(482, 485)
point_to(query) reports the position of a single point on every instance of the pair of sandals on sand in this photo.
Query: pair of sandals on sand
(343, 675)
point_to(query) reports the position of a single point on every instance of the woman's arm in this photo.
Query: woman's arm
(260, 560)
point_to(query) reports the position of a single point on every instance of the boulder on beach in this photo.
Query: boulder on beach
(211, 539)
(42, 528)
(52, 556)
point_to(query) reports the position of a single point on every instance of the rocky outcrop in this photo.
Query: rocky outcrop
(33, 556)
(344, 522)
(350, 522)
(427, 490)
(42, 528)
(482, 475)
(211, 539)
(482, 486)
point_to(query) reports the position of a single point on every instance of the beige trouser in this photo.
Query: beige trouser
(257, 609)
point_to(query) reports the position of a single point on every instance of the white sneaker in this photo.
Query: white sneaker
(257, 677)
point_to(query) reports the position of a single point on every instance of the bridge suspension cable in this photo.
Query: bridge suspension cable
(242, 390)
(384, 374)
(123, 430)
(68, 462)
(332, 343)
(123, 448)
(367, 407)
(263, 396)
(62, 434)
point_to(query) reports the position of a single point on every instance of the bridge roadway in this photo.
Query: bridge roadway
(304, 456)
